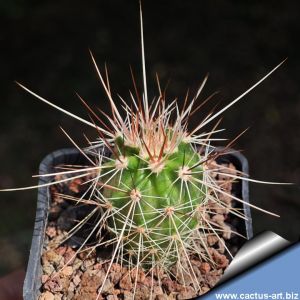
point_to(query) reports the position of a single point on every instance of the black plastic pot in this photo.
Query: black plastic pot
(32, 284)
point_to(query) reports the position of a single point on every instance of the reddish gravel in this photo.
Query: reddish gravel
(68, 275)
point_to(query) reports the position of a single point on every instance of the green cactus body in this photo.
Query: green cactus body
(161, 206)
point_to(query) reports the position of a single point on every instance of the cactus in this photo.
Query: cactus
(156, 187)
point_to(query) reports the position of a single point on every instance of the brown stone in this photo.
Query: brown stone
(67, 271)
(54, 285)
(51, 257)
(205, 268)
(46, 296)
(51, 231)
(126, 282)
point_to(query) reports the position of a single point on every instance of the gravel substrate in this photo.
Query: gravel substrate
(78, 275)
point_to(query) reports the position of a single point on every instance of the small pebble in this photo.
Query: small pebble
(47, 296)
(67, 271)
(76, 280)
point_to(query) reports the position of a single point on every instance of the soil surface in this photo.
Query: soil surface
(71, 272)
